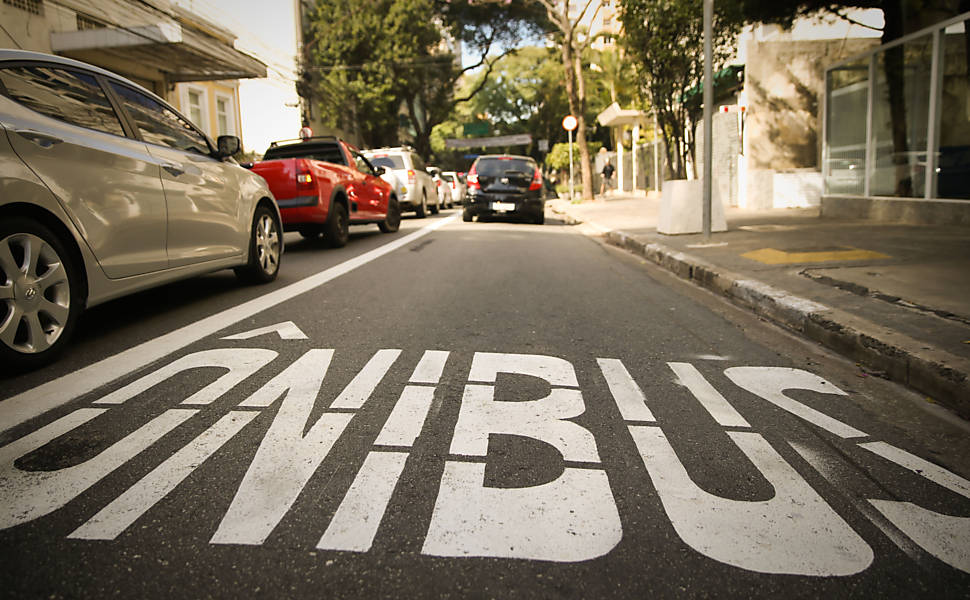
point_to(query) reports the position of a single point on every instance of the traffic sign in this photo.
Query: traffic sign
(569, 123)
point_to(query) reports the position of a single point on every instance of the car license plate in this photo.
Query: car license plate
(503, 206)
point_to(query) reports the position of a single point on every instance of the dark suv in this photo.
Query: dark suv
(504, 185)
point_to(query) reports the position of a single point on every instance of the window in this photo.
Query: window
(326, 151)
(160, 125)
(225, 116)
(70, 96)
(85, 23)
(417, 163)
(389, 161)
(362, 165)
(35, 7)
(196, 107)
(494, 167)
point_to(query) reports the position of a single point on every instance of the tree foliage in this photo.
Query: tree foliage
(558, 157)
(381, 64)
(901, 16)
(665, 40)
(525, 94)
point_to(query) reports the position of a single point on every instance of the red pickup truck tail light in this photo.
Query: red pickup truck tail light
(304, 179)
(536, 183)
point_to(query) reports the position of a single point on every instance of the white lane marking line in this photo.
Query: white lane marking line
(710, 398)
(408, 417)
(795, 532)
(771, 383)
(37, 401)
(359, 515)
(923, 468)
(362, 386)
(287, 330)
(113, 519)
(431, 367)
(240, 364)
(626, 393)
(28, 495)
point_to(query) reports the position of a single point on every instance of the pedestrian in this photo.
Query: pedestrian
(607, 177)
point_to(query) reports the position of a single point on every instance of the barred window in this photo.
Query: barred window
(84, 22)
(35, 7)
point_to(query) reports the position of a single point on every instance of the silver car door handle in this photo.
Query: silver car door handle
(41, 139)
(174, 169)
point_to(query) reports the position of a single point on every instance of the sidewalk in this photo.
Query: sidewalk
(894, 298)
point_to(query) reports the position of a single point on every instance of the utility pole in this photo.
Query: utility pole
(708, 114)
(569, 124)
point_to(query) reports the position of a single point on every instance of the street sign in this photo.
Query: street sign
(543, 145)
(569, 123)
(476, 129)
(520, 139)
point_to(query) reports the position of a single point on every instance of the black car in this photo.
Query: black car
(504, 185)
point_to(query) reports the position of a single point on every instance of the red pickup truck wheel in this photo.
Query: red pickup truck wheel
(337, 230)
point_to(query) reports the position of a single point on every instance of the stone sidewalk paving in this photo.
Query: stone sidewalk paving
(895, 298)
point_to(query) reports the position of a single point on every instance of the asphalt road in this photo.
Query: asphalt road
(457, 410)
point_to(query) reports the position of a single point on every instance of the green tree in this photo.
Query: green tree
(351, 70)
(381, 64)
(523, 94)
(665, 40)
(572, 41)
(558, 157)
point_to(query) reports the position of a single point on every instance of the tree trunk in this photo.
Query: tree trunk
(895, 84)
(574, 76)
(584, 158)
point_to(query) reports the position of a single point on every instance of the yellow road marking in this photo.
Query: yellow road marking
(770, 256)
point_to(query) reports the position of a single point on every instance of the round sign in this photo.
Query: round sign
(569, 123)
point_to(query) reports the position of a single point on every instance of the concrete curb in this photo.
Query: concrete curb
(945, 378)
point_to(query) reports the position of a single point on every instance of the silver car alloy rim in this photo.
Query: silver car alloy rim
(35, 294)
(267, 244)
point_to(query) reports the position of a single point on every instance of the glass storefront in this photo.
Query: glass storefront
(845, 158)
(953, 166)
(891, 130)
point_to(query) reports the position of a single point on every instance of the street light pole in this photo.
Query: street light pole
(569, 123)
(570, 165)
(708, 114)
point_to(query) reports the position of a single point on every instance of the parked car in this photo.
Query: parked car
(504, 185)
(107, 191)
(406, 164)
(457, 186)
(444, 196)
(323, 185)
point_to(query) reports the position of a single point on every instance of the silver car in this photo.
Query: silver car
(107, 190)
(419, 192)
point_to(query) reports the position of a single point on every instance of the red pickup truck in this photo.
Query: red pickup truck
(323, 185)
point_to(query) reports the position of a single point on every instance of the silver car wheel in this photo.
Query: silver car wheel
(35, 293)
(267, 244)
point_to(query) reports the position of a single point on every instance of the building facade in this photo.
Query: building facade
(155, 43)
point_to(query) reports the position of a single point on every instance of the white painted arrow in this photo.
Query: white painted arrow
(287, 330)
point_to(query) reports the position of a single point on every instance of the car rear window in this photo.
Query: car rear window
(493, 167)
(447, 177)
(326, 152)
(387, 160)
